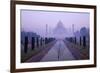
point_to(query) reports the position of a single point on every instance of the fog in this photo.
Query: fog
(36, 21)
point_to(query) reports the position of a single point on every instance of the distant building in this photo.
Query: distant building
(60, 31)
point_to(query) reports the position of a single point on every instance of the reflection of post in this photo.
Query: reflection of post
(59, 51)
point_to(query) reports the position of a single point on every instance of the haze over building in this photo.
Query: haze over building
(37, 21)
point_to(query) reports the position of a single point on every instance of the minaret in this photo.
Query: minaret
(46, 33)
(73, 29)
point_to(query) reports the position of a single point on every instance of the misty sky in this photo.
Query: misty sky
(35, 21)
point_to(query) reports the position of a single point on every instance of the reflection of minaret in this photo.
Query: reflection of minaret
(73, 29)
(46, 34)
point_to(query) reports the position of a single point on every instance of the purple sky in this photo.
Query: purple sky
(36, 20)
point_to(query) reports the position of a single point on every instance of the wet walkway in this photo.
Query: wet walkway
(58, 52)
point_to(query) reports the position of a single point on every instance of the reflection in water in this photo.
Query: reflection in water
(58, 52)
